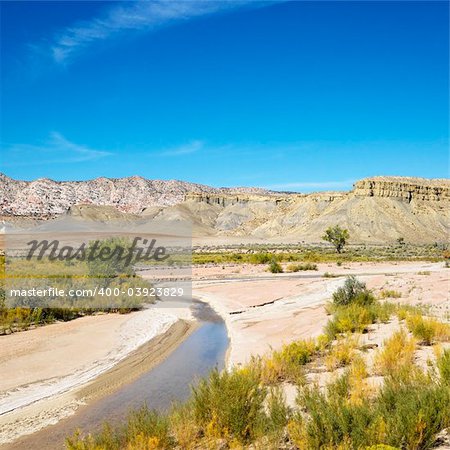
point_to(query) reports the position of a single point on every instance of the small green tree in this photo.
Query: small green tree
(337, 236)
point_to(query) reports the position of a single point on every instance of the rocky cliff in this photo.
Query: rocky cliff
(48, 198)
(404, 188)
(377, 210)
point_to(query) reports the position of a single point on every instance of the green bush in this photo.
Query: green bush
(275, 266)
(260, 258)
(414, 411)
(427, 330)
(353, 291)
(330, 420)
(301, 267)
(405, 415)
(230, 404)
(443, 364)
(287, 363)
(144, 429)
(349, 319)
(277, 412)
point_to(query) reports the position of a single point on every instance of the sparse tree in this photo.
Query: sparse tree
(337, 236)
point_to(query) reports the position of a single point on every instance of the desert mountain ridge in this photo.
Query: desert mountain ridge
(377, 209)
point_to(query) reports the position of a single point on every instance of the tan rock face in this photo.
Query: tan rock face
(404, 188)
(378, 210)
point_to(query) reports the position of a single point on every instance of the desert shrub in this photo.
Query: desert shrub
(329, 275)
(349, 319)
(230, 404)
(396, 355)
(144, 429)
(424, 272)
(260, 258)
(341, 353)
(277, 412)
(427, 330)
(183, 425)
(443, 364)
(359, 388)
(414, 412)
(421, 329)
(353, 291)
(275, 266)
(403, 311)
(287, 363)
(407, 415)
(301, 267)
(147, 426)
(382, 311)
(330, 420)
(90, 442)
(390, 294)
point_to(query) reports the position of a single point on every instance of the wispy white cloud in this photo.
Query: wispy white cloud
(136, 16)
(187, 149)
(312, 185)
(57, 149)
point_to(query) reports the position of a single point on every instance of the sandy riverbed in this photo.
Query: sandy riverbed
(48, 372)
(263, 311)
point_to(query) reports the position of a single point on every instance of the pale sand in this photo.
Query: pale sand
(263, 311)
(48, 372)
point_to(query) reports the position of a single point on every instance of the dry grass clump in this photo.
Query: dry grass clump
(427, 330)
(397, 354)
(184, 427)
(405, 413)
(287, 363)
(443, 364)
(301, 267)
(349, 319)
(387, 293)
(341, 353)
(144, 429)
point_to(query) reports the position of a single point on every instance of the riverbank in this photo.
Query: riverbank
(263, 311)
(48, 373)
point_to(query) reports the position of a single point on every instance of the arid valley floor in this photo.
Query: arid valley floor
(47, 372)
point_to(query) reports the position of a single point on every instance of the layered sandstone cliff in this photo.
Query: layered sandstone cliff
(404, 188)
(377, 210)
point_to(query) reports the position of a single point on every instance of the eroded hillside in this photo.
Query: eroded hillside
(377, 210)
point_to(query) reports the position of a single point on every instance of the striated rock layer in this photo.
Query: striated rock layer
(45, 197)
(404, 188)
(377, 210)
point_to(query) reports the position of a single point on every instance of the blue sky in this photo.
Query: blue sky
(288, 95)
